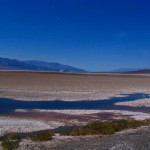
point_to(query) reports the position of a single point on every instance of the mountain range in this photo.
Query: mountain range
(33, 65)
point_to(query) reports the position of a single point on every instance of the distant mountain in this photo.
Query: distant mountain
(126, 69)
(13, 64)
(143, 71)
(133, 70)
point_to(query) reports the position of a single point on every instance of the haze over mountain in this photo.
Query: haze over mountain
(14, 64)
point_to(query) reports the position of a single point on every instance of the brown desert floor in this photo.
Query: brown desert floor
(63, 86)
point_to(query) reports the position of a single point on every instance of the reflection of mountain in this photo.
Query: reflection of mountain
(13, 64)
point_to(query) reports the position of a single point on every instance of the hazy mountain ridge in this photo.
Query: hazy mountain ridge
(14, 64)
(126, 69)
(143, 71)
(133, 70)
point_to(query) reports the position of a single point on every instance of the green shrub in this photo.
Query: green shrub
(10, 141)
(10, 144)
(41, 136)
(108, 127)
(12, 136)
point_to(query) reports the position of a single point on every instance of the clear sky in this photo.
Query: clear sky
(97, 35)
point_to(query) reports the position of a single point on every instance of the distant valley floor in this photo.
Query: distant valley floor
(69, 87)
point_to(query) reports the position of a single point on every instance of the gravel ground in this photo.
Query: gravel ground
(132, 140)
(137, 139)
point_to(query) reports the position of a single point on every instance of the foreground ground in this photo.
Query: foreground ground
(133, 140)
(137, 139)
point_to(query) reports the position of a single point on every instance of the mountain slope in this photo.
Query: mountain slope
(13, 64)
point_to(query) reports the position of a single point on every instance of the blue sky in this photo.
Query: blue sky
(97, 35)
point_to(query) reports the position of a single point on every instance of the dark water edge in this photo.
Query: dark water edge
(8, 105)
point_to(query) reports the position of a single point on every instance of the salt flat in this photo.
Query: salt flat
(35, 86)
(69, 87)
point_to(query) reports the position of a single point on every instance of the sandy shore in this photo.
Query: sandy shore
(58, 86)
(137, 103)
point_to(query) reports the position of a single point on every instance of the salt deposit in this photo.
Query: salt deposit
(137, 103)
(8, 124)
